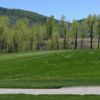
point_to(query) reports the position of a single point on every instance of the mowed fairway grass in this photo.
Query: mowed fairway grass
(55, 97)
(50, 69)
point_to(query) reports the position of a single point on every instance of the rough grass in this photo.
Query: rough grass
(50, 69)
(55, 97)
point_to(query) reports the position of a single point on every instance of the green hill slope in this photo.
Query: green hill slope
(50, 69)
(16, 14)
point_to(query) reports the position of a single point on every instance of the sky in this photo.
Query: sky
(72, 9)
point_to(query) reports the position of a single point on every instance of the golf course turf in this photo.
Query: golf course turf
(55, 97)
(50, 69)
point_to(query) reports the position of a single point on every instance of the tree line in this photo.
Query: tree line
(50, 35)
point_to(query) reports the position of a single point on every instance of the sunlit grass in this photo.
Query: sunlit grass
(50, 69)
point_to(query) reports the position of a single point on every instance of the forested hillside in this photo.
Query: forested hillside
(27, 31)
(16, 14)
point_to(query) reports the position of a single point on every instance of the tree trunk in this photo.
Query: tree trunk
(51, 42)
(99, 41)
(5, 47)
(75, 47)
(65, 39)
(57, 40)
(31, 44)
(38, 42)
(82, 41)
(91, 37)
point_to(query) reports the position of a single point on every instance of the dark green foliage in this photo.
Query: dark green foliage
(46, 97)
(17, 14)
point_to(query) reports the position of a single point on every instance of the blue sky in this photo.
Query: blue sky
(72, 9)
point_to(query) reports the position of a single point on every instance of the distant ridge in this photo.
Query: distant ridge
(16, 14)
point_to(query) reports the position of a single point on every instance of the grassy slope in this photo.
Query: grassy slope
(50, 69)
(30, 97)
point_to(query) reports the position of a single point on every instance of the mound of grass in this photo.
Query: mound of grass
(51, 69)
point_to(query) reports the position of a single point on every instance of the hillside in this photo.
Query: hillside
(16, 14)
(50, 69)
